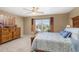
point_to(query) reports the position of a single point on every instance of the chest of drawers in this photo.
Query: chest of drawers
(7, 34)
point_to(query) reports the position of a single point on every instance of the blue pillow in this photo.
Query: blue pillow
(65, 34)
(61, 32)
(69, 35)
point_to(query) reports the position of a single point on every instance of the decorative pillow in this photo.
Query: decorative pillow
(69, 35)
(65, 34)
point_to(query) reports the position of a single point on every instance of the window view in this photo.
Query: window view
(42, 25)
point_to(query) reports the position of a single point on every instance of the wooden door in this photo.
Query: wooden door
(75, 22)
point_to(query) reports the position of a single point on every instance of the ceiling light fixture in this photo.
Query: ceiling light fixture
(34, 11)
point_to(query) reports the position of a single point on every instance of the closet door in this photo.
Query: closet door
(75, 22)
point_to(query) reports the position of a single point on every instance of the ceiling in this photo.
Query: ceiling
(47, 10)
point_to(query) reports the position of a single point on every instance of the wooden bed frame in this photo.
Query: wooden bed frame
(38, 50)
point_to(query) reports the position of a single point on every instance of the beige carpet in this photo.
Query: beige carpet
(22, 44)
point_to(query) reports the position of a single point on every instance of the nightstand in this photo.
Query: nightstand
(32, 38)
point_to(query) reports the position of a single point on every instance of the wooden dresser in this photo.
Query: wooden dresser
(16, 32)
(7, 34)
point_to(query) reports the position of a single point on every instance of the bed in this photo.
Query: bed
(52, 42)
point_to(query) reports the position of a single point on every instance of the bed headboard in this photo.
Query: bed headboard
(75, 21)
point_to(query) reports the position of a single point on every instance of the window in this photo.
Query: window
(42, 25)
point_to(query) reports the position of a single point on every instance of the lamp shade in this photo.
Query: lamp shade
(68, 26)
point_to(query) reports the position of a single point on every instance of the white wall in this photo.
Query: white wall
(27, 25)
(19, 22)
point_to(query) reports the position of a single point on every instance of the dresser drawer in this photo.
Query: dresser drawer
(4, 30)
(5, 38)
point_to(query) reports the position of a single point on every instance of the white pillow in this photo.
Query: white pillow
(72, 30)
(75, 36)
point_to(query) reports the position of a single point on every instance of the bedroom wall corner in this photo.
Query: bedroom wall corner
(27, 25)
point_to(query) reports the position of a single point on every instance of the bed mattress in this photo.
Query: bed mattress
(48, 41)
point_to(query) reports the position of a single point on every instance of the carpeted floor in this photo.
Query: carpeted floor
(22, 44)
